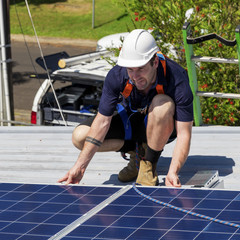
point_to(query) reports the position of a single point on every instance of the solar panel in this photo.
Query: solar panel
(32, 211)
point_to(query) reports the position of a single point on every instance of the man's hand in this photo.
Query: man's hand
(172, 180)
(74, 175)
(180, 153)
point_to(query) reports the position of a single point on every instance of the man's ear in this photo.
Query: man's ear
(156, 62)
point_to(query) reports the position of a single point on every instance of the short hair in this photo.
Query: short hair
(151, 61)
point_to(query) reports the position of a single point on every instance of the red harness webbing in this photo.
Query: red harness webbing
(127, 90)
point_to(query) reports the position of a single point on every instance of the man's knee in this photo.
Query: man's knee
(160, 121)
(162, 107)
(79, 135)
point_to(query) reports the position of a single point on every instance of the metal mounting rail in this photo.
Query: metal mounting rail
(89, 214)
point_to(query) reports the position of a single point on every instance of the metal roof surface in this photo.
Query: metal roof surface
(43, 154)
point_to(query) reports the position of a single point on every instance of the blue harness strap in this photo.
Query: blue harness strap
(146, 120)
(126, 123)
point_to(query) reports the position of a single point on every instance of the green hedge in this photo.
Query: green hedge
(215, 16)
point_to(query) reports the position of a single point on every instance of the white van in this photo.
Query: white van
(83, 77)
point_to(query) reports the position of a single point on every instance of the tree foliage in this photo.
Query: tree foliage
(217, 16)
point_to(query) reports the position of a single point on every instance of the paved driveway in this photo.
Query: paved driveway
(24, 65)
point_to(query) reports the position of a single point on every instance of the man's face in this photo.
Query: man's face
(143, 77)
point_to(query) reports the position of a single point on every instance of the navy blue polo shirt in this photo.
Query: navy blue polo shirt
(175, 85)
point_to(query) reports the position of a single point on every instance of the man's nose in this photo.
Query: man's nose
(135, 75)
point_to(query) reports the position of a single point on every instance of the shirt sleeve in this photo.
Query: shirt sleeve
(183, 98)
(111, 92)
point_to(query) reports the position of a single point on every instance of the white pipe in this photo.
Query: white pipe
(4, 64)
(67, 62)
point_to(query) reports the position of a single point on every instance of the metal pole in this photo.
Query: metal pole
(237, 33)
(4, 64)
(1, 84)
(9, 56)
(192, 76)
(93, 13)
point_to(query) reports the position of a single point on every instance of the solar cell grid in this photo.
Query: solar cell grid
(133, 217)
(31, 211)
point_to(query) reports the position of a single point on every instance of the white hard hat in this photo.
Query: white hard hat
(138, 48)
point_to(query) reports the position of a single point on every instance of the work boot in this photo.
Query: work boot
(130, 172)
(147, 175)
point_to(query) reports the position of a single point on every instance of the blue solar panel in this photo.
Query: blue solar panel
(43, 211)
(32, 211)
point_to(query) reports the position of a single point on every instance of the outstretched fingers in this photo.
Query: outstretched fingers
(63, 179)
(73, 176)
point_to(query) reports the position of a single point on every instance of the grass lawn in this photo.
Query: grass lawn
(69, 18)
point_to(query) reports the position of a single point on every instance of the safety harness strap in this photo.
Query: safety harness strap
(127, 90)
(162, 57)
(127, 125)
(159, 89)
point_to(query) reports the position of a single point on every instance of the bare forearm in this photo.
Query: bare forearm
(180, 153)
(95, 137)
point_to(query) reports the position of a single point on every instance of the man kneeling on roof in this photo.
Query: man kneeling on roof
(146, 103)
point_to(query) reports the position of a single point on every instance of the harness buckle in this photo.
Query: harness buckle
(143, 110)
